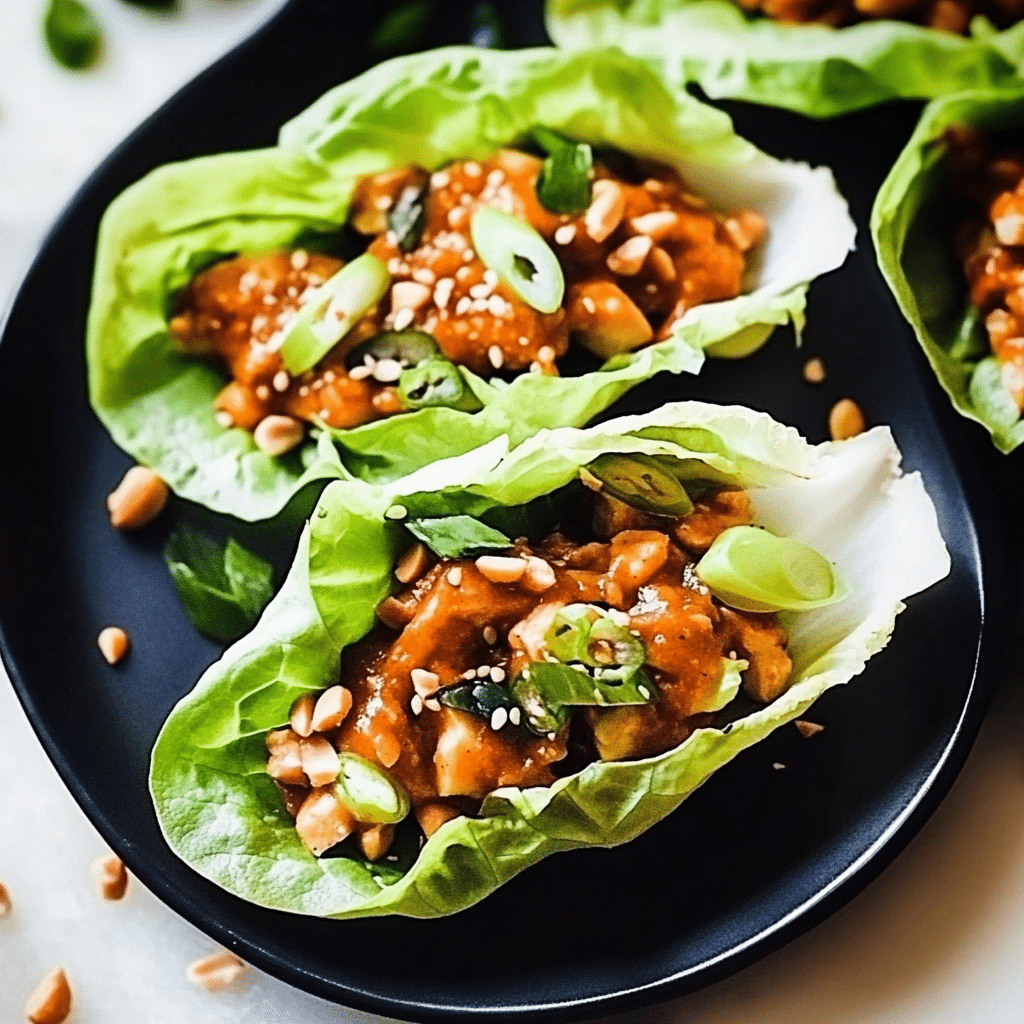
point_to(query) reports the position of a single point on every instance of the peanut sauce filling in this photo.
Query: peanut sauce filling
(640, 256)
(990, 244)
(462, 620)
(947, 15)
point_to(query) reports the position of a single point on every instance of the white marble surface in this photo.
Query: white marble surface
(938, 939)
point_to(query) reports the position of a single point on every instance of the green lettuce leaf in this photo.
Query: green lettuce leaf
(813, 69)
(221, 813)
(431, 108)
(913, 238)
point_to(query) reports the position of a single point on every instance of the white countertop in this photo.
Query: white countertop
(937, 939)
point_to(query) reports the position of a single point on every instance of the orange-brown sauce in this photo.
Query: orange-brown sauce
(946, 15)
(991, 243)
(458, 624)
(643, 254)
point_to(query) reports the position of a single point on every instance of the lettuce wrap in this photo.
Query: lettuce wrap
(429, 108)
(914, 238)
(813, 69)
(222, 814)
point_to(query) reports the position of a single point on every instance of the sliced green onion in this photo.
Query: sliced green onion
(640, 480)
(369, 792)
(408, 216)
(755, 571)
(481, 699)
(569, 633)
(547, 688)
(564, 185)
(73, 34)
(332, 310)
(519, 256)
(696, 474)
(407, 348)
(610, 644)
(435, 382)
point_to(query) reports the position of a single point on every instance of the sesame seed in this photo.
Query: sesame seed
(424, 275)
(495, 355)
(330, 376)
(483, 671)
(491, 277)
(479, 306)
(588, 304)
(523, 340)
(470, 673)
(480, 291)
(552, 735)
(325, 414)
(269, 300)
(644, 692)
(515, 716)
(440, 179)
(467, 255)
(387, 371)
(224, 418)
(281, 380)
(300, 259)
(472, 169)
(497, 674)
(490, 635)
(396, 512)
(496, 305)
(394, 264)
(356, 373)
(462, 306)
(263, 392)
(546, 354)
(496, 177)
(416, 703)
(455, 575)
(304, 390)
(369, 361)
(403, 318)
(565, 234)
(498, 718)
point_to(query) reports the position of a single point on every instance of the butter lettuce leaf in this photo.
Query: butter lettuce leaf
(913, 237)
(814, 69)
(429, 108)
(221, 813)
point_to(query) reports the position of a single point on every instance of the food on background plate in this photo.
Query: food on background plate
(818, 57)
(495, 265)
(945, 230)
(346, 727)
(195, 249)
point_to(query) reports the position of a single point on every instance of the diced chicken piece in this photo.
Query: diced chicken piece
(636, 556)
(612, 516)
(606, 320)
(528, 635)
(323, 821)
(431, 816)
(762, 641)
(285, 764)
(375, 842)
(713, 514)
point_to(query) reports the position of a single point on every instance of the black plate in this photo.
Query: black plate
(754, 857)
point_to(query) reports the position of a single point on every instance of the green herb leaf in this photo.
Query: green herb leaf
(564, 183)
(224, 589)
(72, 33)
(457, 536)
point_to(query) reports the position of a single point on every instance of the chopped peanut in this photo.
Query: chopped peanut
(300, 718)
(415, 561)
(376, 841)
(5, 901)
(277, 434)
(499, 569)
(331, 708)
(50, 1002)
(138, 499)
(110, 877)
(319, 761)
(814, 371)
(432, 816)
(845, 420)
(216, 971)
(113, 643)
(808, 729)
(323, 821)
